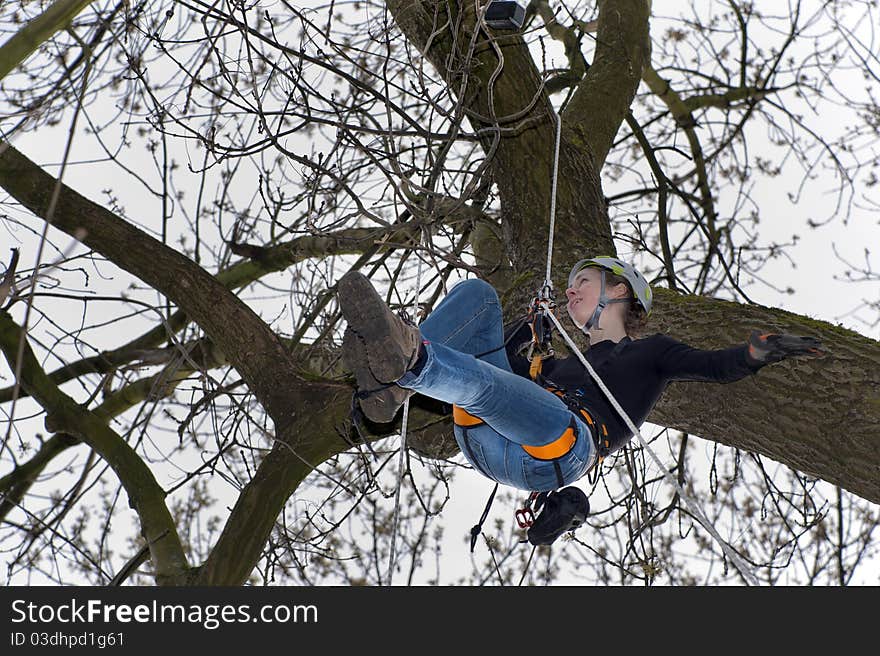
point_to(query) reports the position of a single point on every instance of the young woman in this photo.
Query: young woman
(535, 437)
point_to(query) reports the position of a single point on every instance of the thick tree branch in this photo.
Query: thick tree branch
(266, 260)
(603, 98)
(24, 42)
(145, 496)
(252, 347)
(820, 417)
(262, 260)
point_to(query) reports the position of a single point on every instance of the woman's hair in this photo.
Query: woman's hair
(635, 318)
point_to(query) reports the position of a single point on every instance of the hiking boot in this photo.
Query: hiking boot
(391, 346)
(564, 510)
(378, 401)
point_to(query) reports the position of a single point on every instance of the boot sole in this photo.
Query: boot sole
(368, 316)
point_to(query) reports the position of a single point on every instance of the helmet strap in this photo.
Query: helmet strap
(593, 321)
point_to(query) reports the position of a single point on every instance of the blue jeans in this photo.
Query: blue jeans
(467, 366)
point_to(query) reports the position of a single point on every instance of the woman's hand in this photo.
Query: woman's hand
(765, 348)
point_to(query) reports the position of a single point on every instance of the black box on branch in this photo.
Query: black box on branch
(505, 14)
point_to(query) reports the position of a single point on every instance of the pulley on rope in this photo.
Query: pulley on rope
(505, 14)
(539, 321)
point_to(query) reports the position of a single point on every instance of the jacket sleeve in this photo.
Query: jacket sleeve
(678, 361)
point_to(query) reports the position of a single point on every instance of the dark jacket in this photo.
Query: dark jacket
(636, 372)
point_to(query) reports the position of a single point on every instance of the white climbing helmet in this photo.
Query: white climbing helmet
(641, 288)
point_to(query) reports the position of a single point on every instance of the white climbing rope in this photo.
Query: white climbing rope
(734, 557)
(392, 558)
(548, 284)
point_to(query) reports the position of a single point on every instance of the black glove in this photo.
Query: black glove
(765, 348)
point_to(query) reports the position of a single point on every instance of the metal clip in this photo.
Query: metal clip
(525, 516)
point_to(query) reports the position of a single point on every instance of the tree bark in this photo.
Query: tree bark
(604, 96)
(495, 78)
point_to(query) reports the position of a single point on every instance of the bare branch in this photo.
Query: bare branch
(145, 496)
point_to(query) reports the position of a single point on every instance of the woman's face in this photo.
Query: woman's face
(583, 295)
